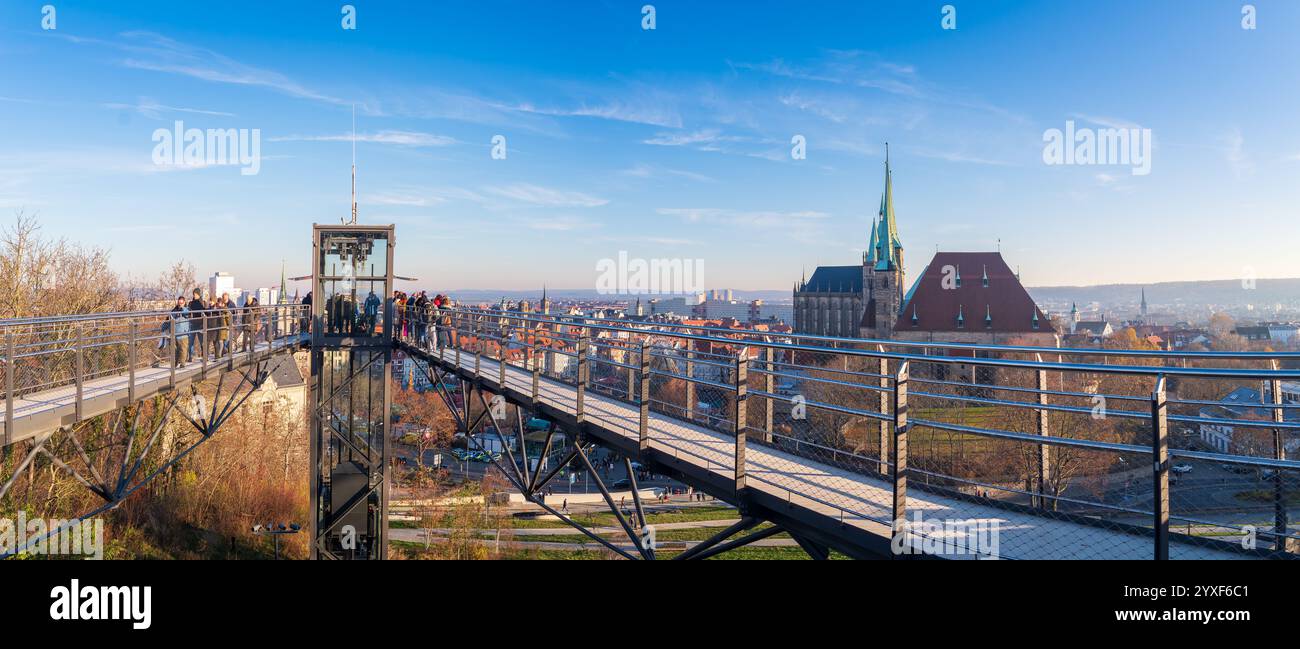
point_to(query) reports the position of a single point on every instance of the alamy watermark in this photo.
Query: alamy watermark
(52, 537)
(946, 537)
(195, 147)
(627, 275)
(1099, 146)
(76, 602)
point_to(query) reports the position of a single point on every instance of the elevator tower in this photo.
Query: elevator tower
(351, 354)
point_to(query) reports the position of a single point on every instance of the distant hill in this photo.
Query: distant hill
(1270, 297)
(494, 295)
(1227, 295)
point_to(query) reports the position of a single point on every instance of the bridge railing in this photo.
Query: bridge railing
(42, 355)
(1132, 453)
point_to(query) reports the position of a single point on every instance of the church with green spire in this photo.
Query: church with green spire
(857, 301)
(882, 267)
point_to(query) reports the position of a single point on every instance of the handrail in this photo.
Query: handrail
(1138, 370)
(1019, 349)
(716, 382)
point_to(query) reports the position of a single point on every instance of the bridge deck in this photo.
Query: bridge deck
(841, 496)
(39, 413)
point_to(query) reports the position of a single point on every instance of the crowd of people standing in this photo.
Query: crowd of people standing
(417, 314)
(217, 326)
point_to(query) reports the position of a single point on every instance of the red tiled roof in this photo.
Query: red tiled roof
(1011, 308)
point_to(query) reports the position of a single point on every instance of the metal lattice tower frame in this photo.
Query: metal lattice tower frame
(351, 354)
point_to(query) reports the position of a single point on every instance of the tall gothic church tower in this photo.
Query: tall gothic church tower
(882, 268)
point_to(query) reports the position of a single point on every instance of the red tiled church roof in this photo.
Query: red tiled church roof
(1004, 299)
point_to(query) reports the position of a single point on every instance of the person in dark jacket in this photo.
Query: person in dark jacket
(421, 315)
(248, 323)
(197, 325)
(306, 316)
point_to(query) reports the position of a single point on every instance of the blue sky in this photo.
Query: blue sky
(666, 143)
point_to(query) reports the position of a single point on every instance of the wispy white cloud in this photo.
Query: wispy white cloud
(846, 67)
(754, 218)
(560, 223)
(154, 110)
(400, 138)
(705, 136)
(538, 195)
(957, 156)
(643, 170)
(403, 199)
(144, 50)
(1106, 122)
(617, 111)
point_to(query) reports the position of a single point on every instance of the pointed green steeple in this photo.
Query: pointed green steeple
(887, 230)
(284, 291)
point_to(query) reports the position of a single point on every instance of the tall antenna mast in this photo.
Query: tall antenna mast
(354, 164)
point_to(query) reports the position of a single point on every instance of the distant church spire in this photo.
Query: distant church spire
(1143, 308)
(284, 293)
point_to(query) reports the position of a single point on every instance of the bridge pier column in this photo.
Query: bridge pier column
(690, 382)
(537, 370)
(1160, 455)
(1044, 451)
(740, 416)
(643, 398)
(899, 457)
(10, 359)
(769, 386)
(580, 391)
(883, 435)
(1279, 453)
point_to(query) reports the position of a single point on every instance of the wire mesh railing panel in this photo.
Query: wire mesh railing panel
(55, 353)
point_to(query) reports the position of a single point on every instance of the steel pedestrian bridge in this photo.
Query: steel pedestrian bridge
(671, 396)
(834, 441)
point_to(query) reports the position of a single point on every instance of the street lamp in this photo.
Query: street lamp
(275, 531)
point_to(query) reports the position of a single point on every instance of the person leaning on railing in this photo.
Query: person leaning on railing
(176, 329)
(219, 321)
(248, 323)
(444, 322)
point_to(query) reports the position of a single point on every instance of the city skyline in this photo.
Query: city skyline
(672, 143)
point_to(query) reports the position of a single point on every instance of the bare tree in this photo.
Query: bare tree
(40, 276)
(177, 280)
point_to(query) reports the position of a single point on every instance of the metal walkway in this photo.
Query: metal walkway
(851, 510)
(62, 371)
(723, 410)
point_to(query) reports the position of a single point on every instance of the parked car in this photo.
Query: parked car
(1182, 468)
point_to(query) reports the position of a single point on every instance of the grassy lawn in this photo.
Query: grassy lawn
(606, 519)
(758, 554)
